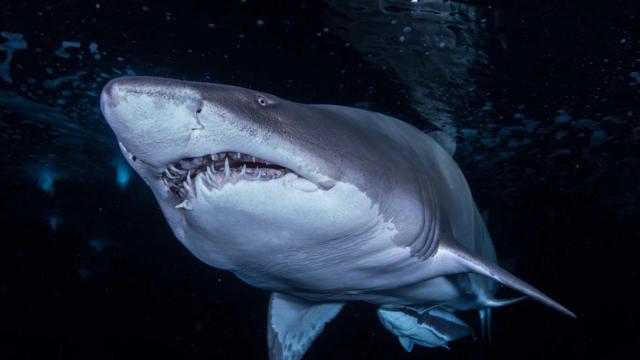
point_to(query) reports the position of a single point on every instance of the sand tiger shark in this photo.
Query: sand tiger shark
(317, 204)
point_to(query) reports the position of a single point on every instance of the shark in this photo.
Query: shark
(319, 205)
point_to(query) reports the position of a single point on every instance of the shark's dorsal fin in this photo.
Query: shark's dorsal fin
(294, 323)
(445, 140)
(453, 251)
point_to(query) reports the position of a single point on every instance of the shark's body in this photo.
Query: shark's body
(318, 204)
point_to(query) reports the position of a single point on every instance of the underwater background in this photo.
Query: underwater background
(542, 96)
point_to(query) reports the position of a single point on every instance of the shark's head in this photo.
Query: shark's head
(242, 164)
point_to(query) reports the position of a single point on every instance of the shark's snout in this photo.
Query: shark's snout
(108, 100)
(153, 118)
(105, 96)
(141, 91)
(114, 93)
(116, 89)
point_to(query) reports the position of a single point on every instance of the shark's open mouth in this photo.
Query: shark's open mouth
(217, 170)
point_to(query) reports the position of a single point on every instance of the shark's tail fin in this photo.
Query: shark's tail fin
(474, 264)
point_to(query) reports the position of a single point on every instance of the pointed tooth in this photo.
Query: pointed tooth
(227, 171)
(188, 179)
(243, 169)
(190, 192)
(253, 159)
(201, 181)
(173, 169)
(237, 156)
(210, 172)
(185, 205)
(257, 173)
(174, 172)
(171, 175)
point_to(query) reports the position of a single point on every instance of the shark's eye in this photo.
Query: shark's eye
(262, 100)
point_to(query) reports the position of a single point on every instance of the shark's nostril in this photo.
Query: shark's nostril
(199, 105)
(200, 126)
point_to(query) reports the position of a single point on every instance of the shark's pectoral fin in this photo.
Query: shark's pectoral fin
(469, 262)
(406, 343)
(432, 328)
(293, 324)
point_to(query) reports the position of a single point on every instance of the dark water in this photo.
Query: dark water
(543, 97)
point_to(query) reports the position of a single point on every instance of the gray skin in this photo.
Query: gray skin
(390, 221)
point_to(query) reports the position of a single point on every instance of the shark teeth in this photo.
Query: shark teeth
(211, 172)
(227, 171)
(181, 177)
(185, 205)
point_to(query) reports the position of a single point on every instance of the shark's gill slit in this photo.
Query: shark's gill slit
(217, 170)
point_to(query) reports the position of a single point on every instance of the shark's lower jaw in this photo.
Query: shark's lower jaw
(217, 170)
